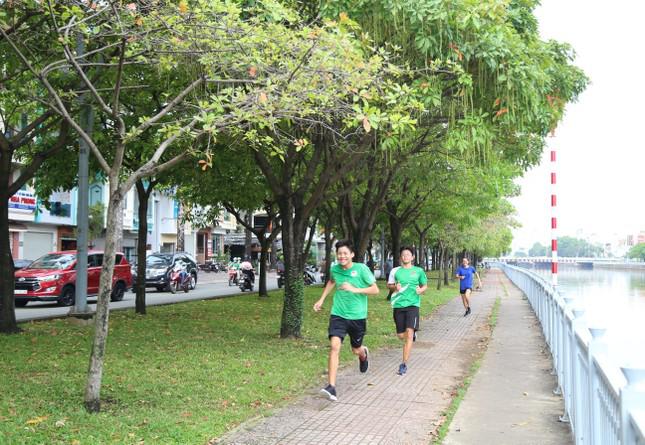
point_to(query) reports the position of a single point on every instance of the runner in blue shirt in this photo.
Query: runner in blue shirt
(465, 274)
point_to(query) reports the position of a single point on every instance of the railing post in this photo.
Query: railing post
(597, 349)
(566, 370)
(632, 398)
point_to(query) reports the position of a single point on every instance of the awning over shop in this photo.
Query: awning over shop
(17, 227)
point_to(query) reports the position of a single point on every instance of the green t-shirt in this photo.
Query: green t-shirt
(346, 304)
(410, 279)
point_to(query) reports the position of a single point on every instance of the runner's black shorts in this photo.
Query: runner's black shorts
(463, 291)
(339, 327)
(406, 318)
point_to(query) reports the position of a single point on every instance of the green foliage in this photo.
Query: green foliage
(96, 221)
(538, 250)
(575, 247)
(637, 252)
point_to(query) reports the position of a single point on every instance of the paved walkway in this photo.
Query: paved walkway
(380, 407)
(510, 399)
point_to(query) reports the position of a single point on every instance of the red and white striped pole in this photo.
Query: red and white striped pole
(554, 225)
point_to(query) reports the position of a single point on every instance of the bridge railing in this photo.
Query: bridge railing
(604, 403)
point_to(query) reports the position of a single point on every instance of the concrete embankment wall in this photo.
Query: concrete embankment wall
(620, 266)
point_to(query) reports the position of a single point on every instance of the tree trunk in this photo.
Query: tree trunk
(310, 238)
(264, 256)
(293, 234)
(248, 236)
(97, 355)
(446, 268)
(440, 264)
(395, 234)
(180, 229)
(455, 263)
(422, 251)
(370, 256)
(8, 324)
(142, 242)
(328, 248)
(118, 246)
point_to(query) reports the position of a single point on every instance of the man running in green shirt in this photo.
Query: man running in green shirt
(354, 282)
(408, 282)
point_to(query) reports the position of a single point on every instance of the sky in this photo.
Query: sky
(600, 143)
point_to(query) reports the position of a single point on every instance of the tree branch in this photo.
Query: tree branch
(60, 109)
(28, 172)
(178, 99)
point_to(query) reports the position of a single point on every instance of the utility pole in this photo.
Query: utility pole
(80, 308)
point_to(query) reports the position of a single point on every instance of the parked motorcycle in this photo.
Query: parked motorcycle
(247, 280)
(179, 280)
(280, 278)
(210, 266)
(309, 275)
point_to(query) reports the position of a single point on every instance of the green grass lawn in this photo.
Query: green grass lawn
(183, 374)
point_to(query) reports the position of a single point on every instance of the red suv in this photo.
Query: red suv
(53, 278)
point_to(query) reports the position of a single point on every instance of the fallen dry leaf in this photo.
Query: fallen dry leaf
(36, 420)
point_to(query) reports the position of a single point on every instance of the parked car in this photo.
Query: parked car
(52, 277)
(21, 264)
(159, 266)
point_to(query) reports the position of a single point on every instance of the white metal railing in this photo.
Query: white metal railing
(603, 403)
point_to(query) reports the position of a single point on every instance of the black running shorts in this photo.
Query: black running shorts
(339, 327)
(406, 318)
(463, 291)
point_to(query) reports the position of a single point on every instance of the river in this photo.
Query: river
(613, 299)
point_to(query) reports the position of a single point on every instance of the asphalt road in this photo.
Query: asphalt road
(209, 285)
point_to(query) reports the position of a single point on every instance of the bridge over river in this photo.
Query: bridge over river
(544, 262)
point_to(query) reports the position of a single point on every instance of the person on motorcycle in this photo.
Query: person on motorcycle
(247, 269)
(234, 271)
(179, 276)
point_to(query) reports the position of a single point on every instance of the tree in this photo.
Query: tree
(306, 153)
(637, 252)
(538, 250)
(491, 89)
(96, 221)
(235, 184)
(30, 134)
(121, 39)
(575, 247)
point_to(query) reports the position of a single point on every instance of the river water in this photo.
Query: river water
(611, 298)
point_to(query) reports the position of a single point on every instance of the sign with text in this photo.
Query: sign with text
(23, 200)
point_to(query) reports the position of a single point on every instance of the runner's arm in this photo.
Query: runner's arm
(421, 289)
(328, 287)
(391, 281)
(372, 289)
(478, 279)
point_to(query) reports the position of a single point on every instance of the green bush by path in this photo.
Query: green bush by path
(183, 374)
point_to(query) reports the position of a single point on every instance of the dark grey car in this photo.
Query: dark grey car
(159, 265)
